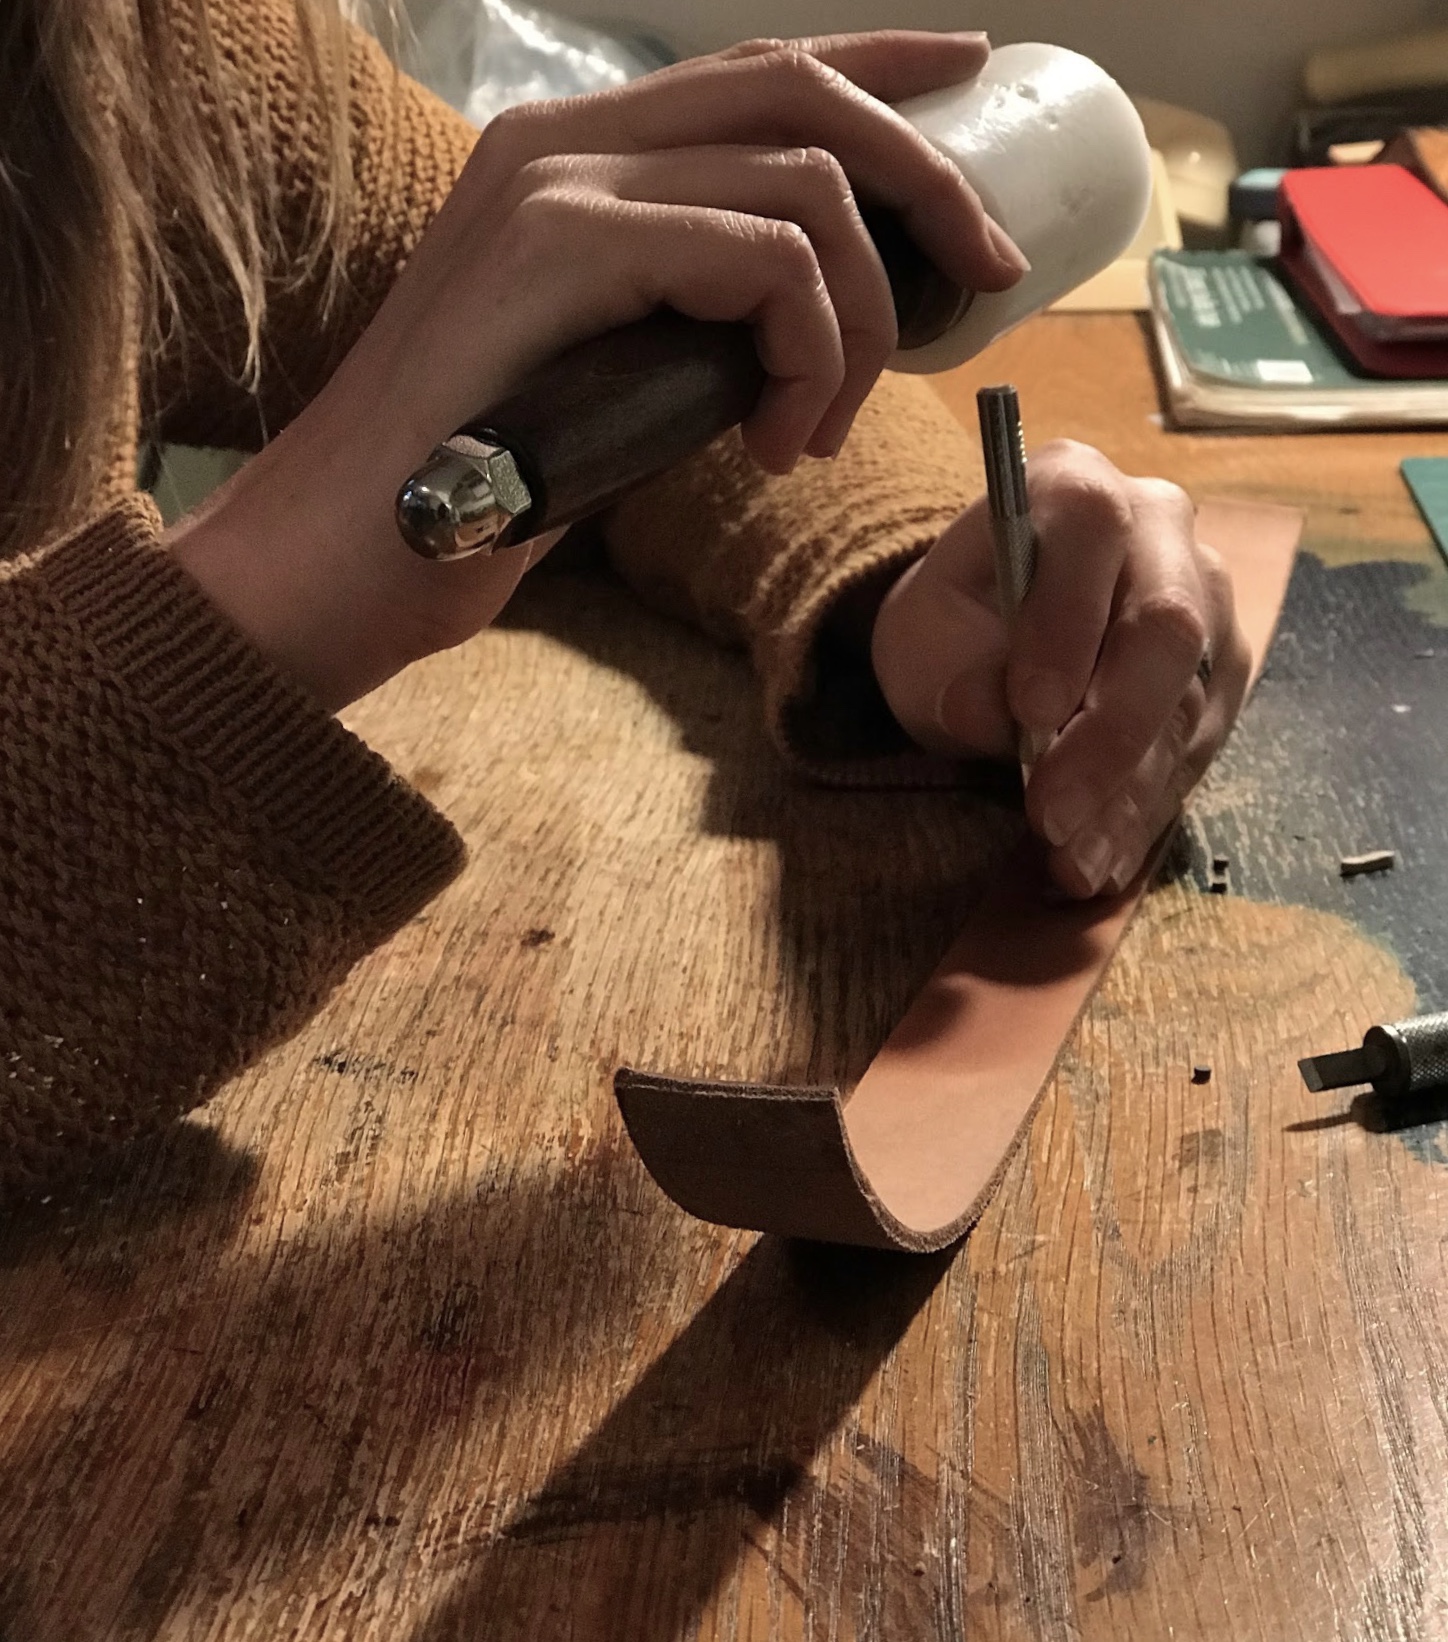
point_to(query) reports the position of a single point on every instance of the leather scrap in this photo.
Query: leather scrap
(909, 1159)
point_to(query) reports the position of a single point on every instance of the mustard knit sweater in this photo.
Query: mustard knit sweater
(193, 854)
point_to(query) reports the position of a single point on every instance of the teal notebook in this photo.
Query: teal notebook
(1239, 347)
(1427, 479)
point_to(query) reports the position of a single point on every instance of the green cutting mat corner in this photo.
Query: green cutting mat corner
(1427, 478)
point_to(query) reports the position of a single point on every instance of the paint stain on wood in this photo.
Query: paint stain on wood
(1113, 1516)
(365, 1068)
(427, 778)
(1200, 1148)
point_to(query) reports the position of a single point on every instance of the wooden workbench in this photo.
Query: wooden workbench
(398, 1342)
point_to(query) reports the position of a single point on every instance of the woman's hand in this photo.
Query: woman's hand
(724, 187)
(1127, 644)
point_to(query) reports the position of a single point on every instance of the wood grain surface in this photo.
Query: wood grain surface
(397, 1341)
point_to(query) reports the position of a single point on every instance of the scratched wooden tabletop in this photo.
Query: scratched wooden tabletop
(397, 1341)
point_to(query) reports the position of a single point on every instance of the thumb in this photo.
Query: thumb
(940, 650)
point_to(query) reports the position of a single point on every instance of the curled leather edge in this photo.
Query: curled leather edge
(779, 1159)
(938, 1114)
(776, 1155)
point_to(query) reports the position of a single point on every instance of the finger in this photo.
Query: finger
(1082, 511)
(1231, 655)
(939, 653)
(576, 261)
(1149, 658)
(782, 99)
(806, 186)
(940, 640)
(1108, 851)
(717, 265)
(891, 64)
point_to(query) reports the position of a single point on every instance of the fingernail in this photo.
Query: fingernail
(976, 37)
(1041, 700)
(1008, 253)
(1065, 813)
(822, 442)
(1093, 857)
(1123, 870)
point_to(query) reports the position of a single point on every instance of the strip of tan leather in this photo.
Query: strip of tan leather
(909, 1160)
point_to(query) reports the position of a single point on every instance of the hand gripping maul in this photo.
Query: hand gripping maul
(1057, 154)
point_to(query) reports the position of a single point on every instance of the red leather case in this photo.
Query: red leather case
(1384, 235)
(1374, 358)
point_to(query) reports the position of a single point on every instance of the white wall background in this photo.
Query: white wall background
(1236, 59)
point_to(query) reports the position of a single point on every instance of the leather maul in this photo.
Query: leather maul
(620, 408)
(909, 1159)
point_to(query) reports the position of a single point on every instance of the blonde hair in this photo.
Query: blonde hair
(108, 107)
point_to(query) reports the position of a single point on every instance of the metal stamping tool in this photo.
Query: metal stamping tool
(1015, 536)
(1403, 1058)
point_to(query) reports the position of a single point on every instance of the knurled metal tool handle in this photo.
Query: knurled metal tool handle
(1401, 1058)
(1003, 442)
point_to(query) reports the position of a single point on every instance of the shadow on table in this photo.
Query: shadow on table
(184, 1173)
(228, 1407)
(630, 1538)
(273, 1401)
(1379, 1116)
(267, 1405)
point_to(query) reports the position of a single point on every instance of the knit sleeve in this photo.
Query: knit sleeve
(761, 562)
(193, 853)
(407, 148)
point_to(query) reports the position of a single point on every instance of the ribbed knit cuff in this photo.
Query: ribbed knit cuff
(822, 702)
(861, 520)
(316, 800)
